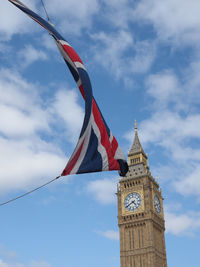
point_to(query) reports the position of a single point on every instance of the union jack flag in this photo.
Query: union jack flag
(97, 149)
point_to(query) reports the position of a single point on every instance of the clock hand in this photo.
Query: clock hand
(133, 201)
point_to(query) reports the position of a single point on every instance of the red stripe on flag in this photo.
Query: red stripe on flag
(82, 91)
(72, 53)
(114, 145)
(73, 161)
(113, 164)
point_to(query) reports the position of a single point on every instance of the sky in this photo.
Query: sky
(143, 59)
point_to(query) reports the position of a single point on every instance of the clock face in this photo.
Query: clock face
(132, 202)
(157, 205)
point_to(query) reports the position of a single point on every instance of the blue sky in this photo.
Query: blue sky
(143, 58)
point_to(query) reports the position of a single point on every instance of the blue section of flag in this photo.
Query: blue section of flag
(93, 160)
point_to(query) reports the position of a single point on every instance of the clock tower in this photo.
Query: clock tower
(140, 213)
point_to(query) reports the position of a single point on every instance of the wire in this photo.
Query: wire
(29, 192)
(45, 10)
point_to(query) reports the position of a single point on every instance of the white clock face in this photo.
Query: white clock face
(132, 202)
(157, 205)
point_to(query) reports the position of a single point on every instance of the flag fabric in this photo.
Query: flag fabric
(97, 149)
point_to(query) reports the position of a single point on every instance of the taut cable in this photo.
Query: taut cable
(29, 192)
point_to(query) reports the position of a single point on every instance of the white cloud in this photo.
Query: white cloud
(28, 162)
(113, 49)
(170, 128)
(192, 82)
(73, 15)
(4, 48)
(172, 118)
(47, 41)
(182, 224)
(110, 234)
(164, 88)
(7, 254)
(20, 105)
(13, 21)
(176, 20)
(118, 12)
(67, 107)
(39, 264)
(21, 123)
(3, 264)
(103, 190)
(29, 55)
(18, 264)
(190, 185)
(26, 159)
(173, 127)
(175, 134)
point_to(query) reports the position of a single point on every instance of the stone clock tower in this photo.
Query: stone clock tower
(140, 214)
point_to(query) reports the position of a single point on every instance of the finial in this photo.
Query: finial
(157, 179)
(135, 126)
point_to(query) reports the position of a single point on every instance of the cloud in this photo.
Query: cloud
(48, 42)
(4, 48)
(7, 254)
(111, 53)
(29, 55)
(28, 162)
(9, 258)
(182, 224)
(17, 264)
(67, 108)
(73, 15)
(12, 21)
(110, 234)
(173, 126)
(170, 129)
(20, 104)
(190, 185)
(176, 21)
(3, 264)
(121, 9)
(26, 158)
(164, 88)
(103, 190)
(175, 135)
(39, 264)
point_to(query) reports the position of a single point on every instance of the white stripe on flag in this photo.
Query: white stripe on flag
(119, 154)
(65, 55)
(64, 43)
(111, 137)
(79, 65)
(86, 141)
(101, 149)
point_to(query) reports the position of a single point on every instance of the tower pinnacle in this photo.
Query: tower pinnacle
(136, 154)
(136, 146)
(135, 126)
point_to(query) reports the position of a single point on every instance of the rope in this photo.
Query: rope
(29, 192)
(45, 10)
